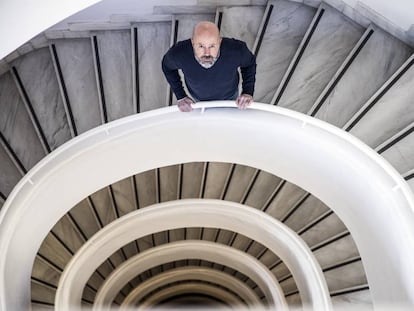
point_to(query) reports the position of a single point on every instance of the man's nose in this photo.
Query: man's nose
(206, 51)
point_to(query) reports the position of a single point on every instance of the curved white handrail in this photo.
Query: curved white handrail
(369, 196)
(199, 213)
(190, 273)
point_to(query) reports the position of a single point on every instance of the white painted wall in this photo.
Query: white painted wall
(21, 20)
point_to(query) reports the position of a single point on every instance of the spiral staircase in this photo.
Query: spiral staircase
(335, 66)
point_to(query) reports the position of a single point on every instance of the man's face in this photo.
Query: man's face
(206, 49)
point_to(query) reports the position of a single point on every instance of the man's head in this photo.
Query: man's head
(206, 43)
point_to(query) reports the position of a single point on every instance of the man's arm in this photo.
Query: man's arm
(248, 70)
(171, 74)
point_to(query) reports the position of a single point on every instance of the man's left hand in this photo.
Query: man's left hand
(243, 101)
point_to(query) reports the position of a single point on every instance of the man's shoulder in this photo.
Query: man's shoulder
(232, 42)
(181, 45)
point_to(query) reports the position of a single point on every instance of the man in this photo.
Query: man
(210, 66)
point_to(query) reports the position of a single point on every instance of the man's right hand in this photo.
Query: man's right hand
(184, 104)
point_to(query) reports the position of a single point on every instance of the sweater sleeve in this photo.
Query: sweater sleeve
(248, 70)
(171, 74)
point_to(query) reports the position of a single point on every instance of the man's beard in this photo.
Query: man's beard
(207, 61)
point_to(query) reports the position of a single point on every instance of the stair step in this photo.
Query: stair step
(334, 253)
(287, 25)
(38, 78)
(379, 57)
(9, 176)
(361, 299)
(115, 61)
(308, 211)
(76, 63)
(241, 22)
(184, 9)
(153, 42)
(42, 293)
(346, 276)
(401, 154)
(16, 126)
(332, 39)
(384, 117)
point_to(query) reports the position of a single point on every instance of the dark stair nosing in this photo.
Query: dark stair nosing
(379, 94)
(395, 139)
(295, 207)
(262, 29)
(99, 80)
(341, 71)
(63, 90)
(330, 240)
(297, 57)
(12, 155)
(135, 70)
(30, 110)
(349, 290)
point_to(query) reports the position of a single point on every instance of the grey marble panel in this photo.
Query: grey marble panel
(331, 42)
(360, 300)
(16, 126)
(116, 66)
(288, 285)
(145, 183)
(216, 178)
(325, 229)
(346, 276)
(239, 183)
(392, 113)
(88, 294)
(269, 258)
(153, 43)
(262, 190)
(169, 182)
(192, 178)
(76, 62)
(67, 233)
(39, 80)
(379, 58)
(42, 292)
(308, 211)
(280, 270)
(242, 22)
(103, 205)
(45, 272)
(54, 251)
(332, 253)
(294, 302)
(83, 215)
(9, 175)
(287, 26)
(401, 155)
(124, 196)
(288, 196)
(241, 242)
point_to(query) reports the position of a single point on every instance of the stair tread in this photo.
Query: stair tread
(154, 41)
(379, 58)
(392, 113)
(39, 80)
(116, 66)
(76, 62)
(285, 30)
(16, 126)
(333, 39)
(242, 22)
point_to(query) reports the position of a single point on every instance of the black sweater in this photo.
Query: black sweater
(219, 82)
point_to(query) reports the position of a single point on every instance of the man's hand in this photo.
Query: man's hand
(243, 101)
(184, 104)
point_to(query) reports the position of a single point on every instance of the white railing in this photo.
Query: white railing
(370, 197)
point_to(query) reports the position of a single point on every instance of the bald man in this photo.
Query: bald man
(210, 66)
